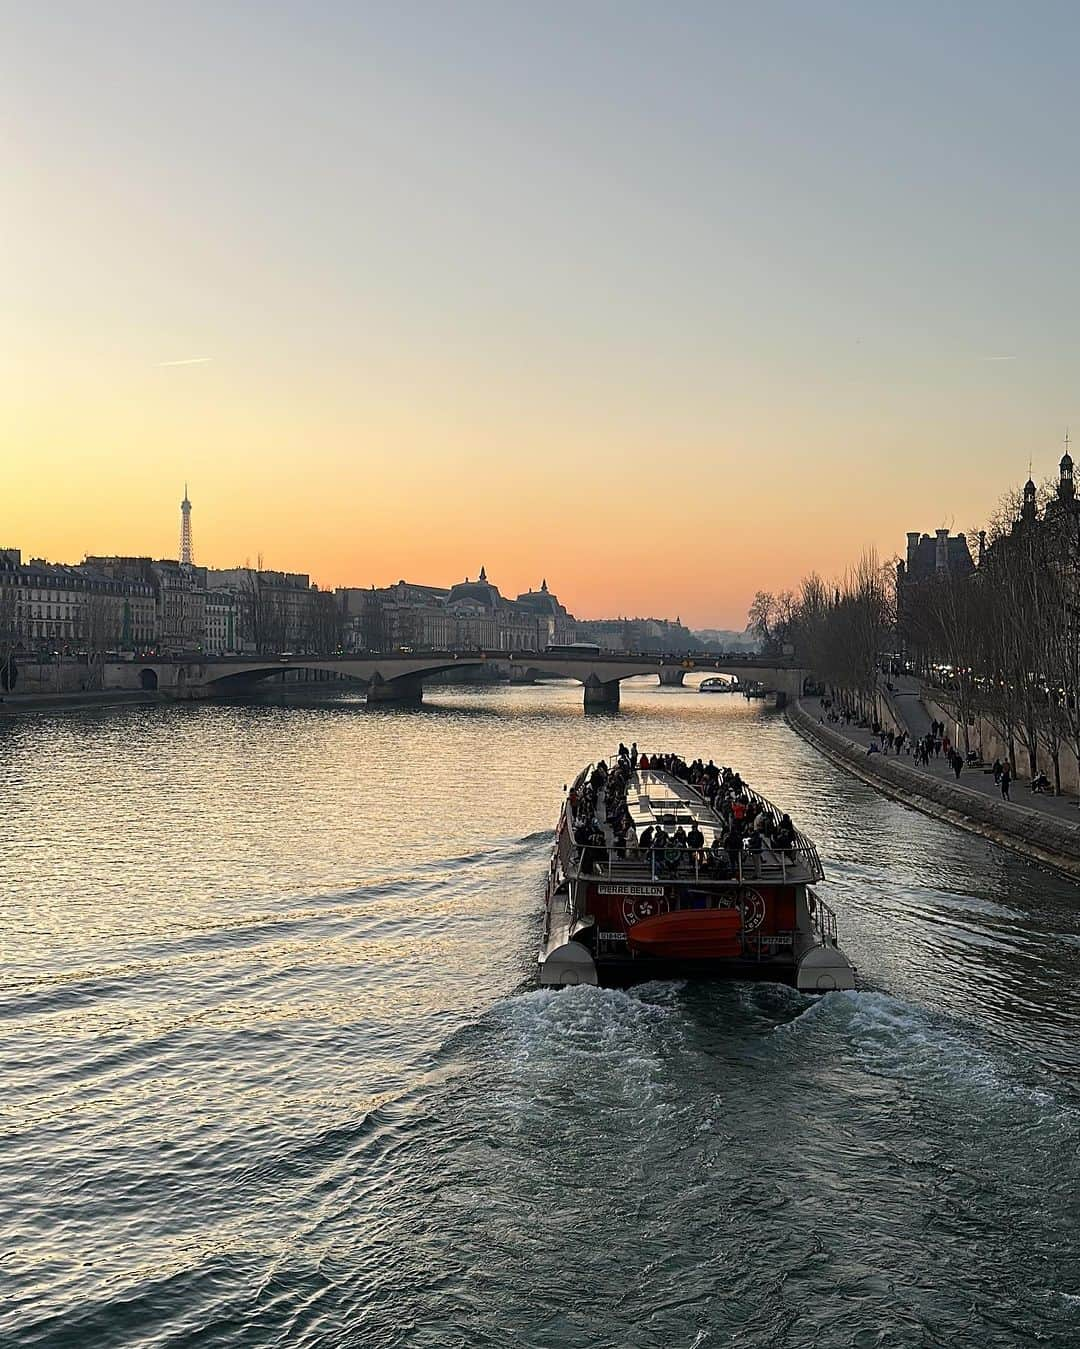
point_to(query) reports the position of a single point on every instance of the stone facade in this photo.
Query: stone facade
(179, 596)
(223, 632)
(468, 616)
(46, 606)
(274, 609)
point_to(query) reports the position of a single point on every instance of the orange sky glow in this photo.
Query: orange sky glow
(398, 298)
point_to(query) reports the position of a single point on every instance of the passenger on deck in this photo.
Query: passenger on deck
(633, 755)
(583, 837)
(718, 861)
(733, 842)
(630, 843)
(645, 842)
(660, 842)
(643, 764)
(784, 837)
(755, 846)
(695, 841)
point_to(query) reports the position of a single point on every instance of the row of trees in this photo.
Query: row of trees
(839, 631)
(1004, 641)
(275, 618)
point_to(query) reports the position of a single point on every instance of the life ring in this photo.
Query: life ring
(637, 908)
(751, 905)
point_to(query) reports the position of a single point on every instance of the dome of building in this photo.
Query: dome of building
(540, 601)
(480, 591)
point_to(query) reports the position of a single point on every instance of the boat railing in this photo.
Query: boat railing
(779, 866)
(822, 921)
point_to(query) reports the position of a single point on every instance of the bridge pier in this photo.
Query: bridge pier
(672, 676)
(602, 697)
(406, 690)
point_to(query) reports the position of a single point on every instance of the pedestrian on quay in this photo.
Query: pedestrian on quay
(1006, 778)
(957, 763)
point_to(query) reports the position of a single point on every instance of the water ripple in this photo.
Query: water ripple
(277, 1073)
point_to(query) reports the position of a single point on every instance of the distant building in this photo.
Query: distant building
(49, 606)
(179, 592)
(274, 609)
(555, 625)
(652, 636)
(466, 616)
(223, 609)
(944, 555)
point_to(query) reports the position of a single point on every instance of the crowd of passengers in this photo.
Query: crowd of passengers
(747, 827)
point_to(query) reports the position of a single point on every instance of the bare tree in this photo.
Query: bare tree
(101, 627)
(9, 637)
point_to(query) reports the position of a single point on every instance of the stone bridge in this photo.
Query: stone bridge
(399, 677)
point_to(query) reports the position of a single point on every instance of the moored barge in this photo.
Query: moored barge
(657, 876)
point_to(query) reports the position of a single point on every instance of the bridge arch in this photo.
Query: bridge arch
(388, 679)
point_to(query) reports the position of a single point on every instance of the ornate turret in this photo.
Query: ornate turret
(1066, 487)
(1029, 510)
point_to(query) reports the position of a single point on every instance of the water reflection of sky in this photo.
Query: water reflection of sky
(276, 1069)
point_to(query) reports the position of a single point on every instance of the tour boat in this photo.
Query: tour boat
(717, 685)
(618, 916)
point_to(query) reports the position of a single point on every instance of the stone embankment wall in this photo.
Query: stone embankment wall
(1052, 841)
(60, 677)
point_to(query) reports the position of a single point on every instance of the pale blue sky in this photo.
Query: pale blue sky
(505, 243)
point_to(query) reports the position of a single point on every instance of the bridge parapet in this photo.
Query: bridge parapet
(399, 676)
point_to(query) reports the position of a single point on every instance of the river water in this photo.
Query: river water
(275, 1069)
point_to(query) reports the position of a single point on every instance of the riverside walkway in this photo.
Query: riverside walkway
(973, 777)
(1039, 825)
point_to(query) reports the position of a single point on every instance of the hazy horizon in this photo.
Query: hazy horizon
(666, 306)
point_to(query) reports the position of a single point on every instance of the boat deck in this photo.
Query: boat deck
(655, 797)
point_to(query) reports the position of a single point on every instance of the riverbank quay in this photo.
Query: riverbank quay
(1045, 829)
(13, 704)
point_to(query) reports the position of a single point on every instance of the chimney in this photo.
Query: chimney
(912, 548)
(982, 545)
(941, 550)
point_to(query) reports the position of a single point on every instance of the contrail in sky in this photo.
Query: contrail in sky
(191, 360)
(985, 358)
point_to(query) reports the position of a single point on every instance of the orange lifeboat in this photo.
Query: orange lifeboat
(689, 934)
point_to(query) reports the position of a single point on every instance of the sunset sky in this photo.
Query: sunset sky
(664, 302)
